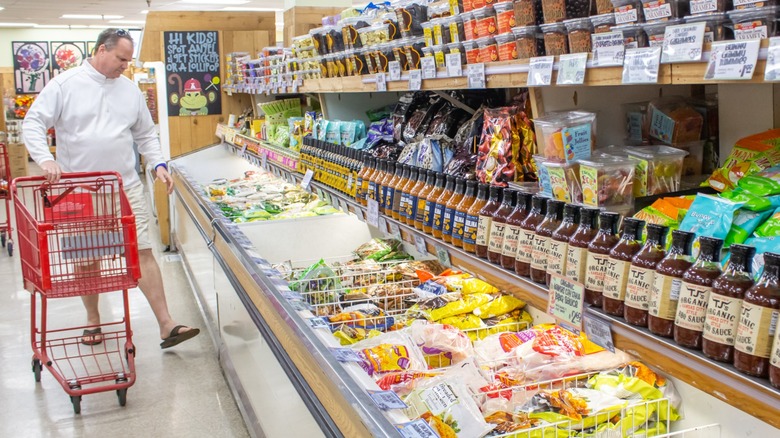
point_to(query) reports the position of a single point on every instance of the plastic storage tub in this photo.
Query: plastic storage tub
(659, 169)
(754, 23)
(602, 23)
(656, 30)
(692, 163)
(556, 41)
(559, 180)
(707, 6)
(637, 126)
(528, 12)
(714, 26)
(505, 17)
(674, 120)
(507, 46)
(633, 35)
(566, 136)
(472, 52)
(580, 31)
(664, 10)
(740, 5)
(488, 50)
(628, 11)
(485, 22)
(453, 30)
(529, 43)
(607, 181)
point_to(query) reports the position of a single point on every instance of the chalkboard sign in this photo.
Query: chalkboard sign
(192, 69)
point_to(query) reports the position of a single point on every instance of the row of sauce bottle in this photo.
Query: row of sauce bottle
(723, 313)
(333, 165)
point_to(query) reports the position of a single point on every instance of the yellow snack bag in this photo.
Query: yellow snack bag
(501, 305)
(475, 285)
(465, 305)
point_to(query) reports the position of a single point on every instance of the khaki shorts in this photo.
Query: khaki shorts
(137, 198)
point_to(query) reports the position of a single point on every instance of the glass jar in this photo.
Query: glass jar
(620, 256)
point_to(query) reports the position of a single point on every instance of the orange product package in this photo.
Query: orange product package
(750, 155)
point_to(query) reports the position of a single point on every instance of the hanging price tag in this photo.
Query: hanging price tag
(476, 75)
(772, 72)
(640, 66)
(443, 255)
(428, 67)
(301, 306)
(395, 232)
(307, 179)
(599, 332)
(381, 82)
(454, 67)
(419, 243)
(608, 49)
(416, 429)
(264, 161)
(318, 322)
(394, 67)
(387, 400)
(733, 60)
(571, 69)
(220, 131)
(683, 43)
(345, 355)
(415, 80)
(540, 71)
(372, 217)
(292, 296)
(566, 300)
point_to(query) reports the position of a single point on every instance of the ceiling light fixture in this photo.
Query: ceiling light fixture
(17, 24)
(215, 2)
(127, 21)
(92, 17)
(145, 11)
(99, 26)
(248, 9)
(60, 26)
(1, 8)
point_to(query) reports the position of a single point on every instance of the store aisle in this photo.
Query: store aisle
(178, 392)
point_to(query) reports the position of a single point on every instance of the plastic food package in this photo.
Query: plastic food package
(771, 227)
(699, 7)
(377, 248)
(319, 278)
(559, 180)
(607, 182)
(582, 405)
(506, 45)
(656, 30)
(762, 245)
(411, 15)
(754, 23)
(500, 305)
(763, 183)
(528, 12)
(628, 11)
(603, 23)
(664, 10)
(749, 155)
(464, 305)
(744, 224)
(579, 31)
(388, 352)
(497, 350)
(673, 121)
(710, 216)
(556, 40)
(658, 169)
(566, 136)
(505, 17)
(499, 149)
(403, 382)
(365, 315)
(637, 381)
(440, 339)
(714, 22)
(485, 24)
(633, 35)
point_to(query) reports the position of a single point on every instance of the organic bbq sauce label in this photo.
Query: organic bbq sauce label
(595, 271)
(539, 253)
(722, 318)
(525, 245)
(692, 306)
(483, 230)
(757, 325)
(615, 279)
(511, 240)
(774, 357)
(556, 256)
(639, 287)
(576, 263)
(664, 296)
(496, 238)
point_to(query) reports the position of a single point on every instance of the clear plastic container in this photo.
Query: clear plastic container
(453, 30)
(472, 52)
(580, 31)
(674, 120)
(659, 169)
(349, 31)
(664, 10)
(485, 22)
(428, 33)
(604, 7)
(714, 25)
(740, 5)
(556, 41)
(707, 6)
(628, 11)
(566, 136)
(438, 25)
(637, 126)
(559, 180)
(505, 17)
(607, 181)
(318, 39)
(411, 15)
(438, 55)
(529, 43)
(413, 48)
(692, 163)
(456, 48)
(399, 54)
(602, 23)
(656, 30)
(374, 35)
(754, 23)
(488, 50)
(506, 44)
(469, 26)
(528, 12)
(554, 11)
(633, 35)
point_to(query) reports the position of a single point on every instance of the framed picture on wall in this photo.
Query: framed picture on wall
(31, 66)
(66, 55)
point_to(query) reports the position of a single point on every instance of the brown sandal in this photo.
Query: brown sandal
(92, 337)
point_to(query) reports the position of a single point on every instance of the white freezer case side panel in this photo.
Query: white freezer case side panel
(214, 162)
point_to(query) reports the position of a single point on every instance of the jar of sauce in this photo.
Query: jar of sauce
(398, 191)
(758, 321)
(695, 292)
(662, 305)
(540, 252)
(406, 195)
(440, 206)
(559, 241)
(362, 181)
(369, 181)
(449, 209)
(774, 356)
(725, 304)
(471, 226)
(512, 230)
(485, 221)
(422, 199)
(641, 275)
(461, 211)
(378, 177)
(598, 257)
(414, 197)
(390, 189)
(498, 226)
(577, 250)
(430, 202)
(525, 243)
(616, 277)
(385, 184)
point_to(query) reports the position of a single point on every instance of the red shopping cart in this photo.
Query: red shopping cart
(77, 237)
(6, 238)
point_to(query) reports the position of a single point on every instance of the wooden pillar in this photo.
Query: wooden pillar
(299, 20)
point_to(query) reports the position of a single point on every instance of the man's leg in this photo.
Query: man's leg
(151, 285)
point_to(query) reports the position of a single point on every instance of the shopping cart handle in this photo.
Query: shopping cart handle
(63, 178)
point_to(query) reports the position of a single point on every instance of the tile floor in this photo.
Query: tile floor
(179, 392)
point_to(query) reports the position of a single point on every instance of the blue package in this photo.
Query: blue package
(762, 245)
(710, 216)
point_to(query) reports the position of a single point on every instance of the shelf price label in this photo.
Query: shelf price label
(395, 232)
(422, 247)
(608, 49)
(540, 71)
(565, 301)
(454, 66)
(345, 354)
(428, 64)
(443, 255)
(476, 75)
(394, 68)
(640, 66)
(372, 217)
(571, 69)
(733, 60)
(318, 322)
(683, 43)
(306, 182)
(599, 332)
(264, 160)
(381, 82)
(387, 400)
(772, 72)
(415, 80)
(416, 429)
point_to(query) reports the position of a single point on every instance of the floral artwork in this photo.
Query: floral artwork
(31, 66)
(66, 55)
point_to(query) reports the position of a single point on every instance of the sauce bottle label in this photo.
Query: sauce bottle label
(575, 265)
(663, 296)
(525, 246)
(692, 306)
(511, 240)
(428, 213)
(419, 214)
(371, 194)
(438, 216)
(774, 357)
(389, 197)
(496, 238)
(411, 207)
(757, 325)
(639, 287)
(720, 324)
(458, 223)
(483, 230)
(470, 228)
(397, 195)
(402, 205)
(615, 279)
(556, 256)
(447, 217)
(539, 253)
(595, 271)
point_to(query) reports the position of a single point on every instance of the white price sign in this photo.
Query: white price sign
(641, 65)
(416, 429)
(307, 179)
(599, 332)
(395, 232)
(394, 67)
(381, 82)
(732, 60)
(419, 243)
(683, 43)
(264, 161)
(772, 72)
(608, 49)
(540, 71)
(387, 400)
(443, 255)
(454, 67)
(571, 69)
(372, 217)
(345, 354)
(428, 67)
(476, 75)
(318, 322)
(415, 80)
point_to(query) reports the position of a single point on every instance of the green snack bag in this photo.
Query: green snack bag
(770, 228)
(745, 222)
(764, 183)
(710, 216)
(333, 132)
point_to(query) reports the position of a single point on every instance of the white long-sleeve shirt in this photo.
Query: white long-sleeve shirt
(96, 120)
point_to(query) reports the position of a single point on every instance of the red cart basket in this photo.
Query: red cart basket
(77, 237)
(6, 238)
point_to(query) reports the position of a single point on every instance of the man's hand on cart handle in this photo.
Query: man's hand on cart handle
(51, 170)
(165, 177)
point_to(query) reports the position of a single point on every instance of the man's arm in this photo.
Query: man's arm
(148, 143)
(42, 115)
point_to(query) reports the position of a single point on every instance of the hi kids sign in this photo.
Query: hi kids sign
(192, 68)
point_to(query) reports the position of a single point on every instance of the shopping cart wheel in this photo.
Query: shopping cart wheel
(36, 368)
(10, 249)
(121, 393)
(76, 400)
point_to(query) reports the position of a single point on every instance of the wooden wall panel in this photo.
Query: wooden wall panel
(6, 86)
(300, 19)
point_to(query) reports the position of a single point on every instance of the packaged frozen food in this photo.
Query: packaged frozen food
(658, 169)
(389, 352)
(441, 339)
(607, 182)
(566, 136)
